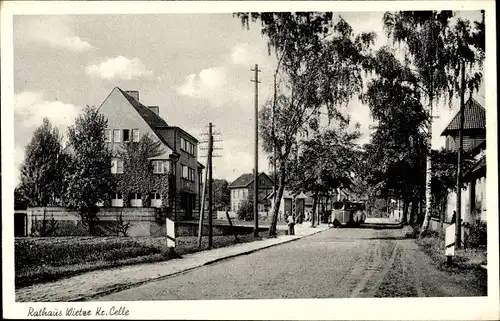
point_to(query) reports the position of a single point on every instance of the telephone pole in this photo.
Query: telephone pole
(256, 170)
(210, 194)
(458, 219)
(208, 184)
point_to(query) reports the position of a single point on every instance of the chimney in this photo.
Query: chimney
(134, 94)
(155, 109)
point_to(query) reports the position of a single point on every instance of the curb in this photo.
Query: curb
(121, 287)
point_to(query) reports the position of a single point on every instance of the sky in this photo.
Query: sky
(195, 67)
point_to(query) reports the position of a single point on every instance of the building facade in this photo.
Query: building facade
(174, 186)
(242, 189)
(473, 197)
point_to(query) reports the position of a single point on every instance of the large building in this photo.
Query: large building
(242, 189)
(128, 121)
(473, 206)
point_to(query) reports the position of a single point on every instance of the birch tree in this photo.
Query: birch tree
(320, 65)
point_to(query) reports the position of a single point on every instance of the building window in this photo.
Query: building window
(116, 166)
(136, 200)
(184, 173)
(117, 200)
(107, 136)
(135, 135)
(187, 146)
(126, 135)
(155, 199)
(116, 135)
(160, 167)
(191, 174)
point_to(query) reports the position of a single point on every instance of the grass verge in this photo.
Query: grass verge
(39, 260)
(464, 260)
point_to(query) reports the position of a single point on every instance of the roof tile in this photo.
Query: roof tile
(474, 118)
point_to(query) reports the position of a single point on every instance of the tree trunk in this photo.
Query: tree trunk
(404, 218)
(313, 214)
(428, 173)
(281, 188)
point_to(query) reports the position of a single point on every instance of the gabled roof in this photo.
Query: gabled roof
(149, 116)
(245, 180)
(474, 118)
(155, 122)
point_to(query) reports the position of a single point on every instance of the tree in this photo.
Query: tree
(444, 175)
(222, 194)
(89, 179)
(43, 167)
(325, 162)
(438, 49)
(320, 67)
(394, 157)
(245, 210)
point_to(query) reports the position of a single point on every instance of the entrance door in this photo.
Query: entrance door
(20, 221)
(187, 201)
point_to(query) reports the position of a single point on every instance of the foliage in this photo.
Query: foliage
(89, 177)
(138, 176)
(45, 227)
(320, 66)
(478, 234)
(41, 181)
(439, 49)
(444, 173)
(393, 162)
(245, 210)
(425, 34)
(119, 226)
(222, 194)
(20, 202)
(46, 259)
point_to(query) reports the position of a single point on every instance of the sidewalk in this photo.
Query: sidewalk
(88, 285)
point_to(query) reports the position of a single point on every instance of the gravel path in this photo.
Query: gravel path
(338, 263)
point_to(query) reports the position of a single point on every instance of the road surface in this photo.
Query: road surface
(337, 263)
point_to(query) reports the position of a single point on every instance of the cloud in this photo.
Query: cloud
(247, 55)
(209, 84)
(119, 68)
(55, 32)
(29, 110)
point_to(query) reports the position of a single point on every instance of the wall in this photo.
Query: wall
(191, 229)
(174, 135)
(470, 141)
(238, 195)
(142, 220)
(122, 115)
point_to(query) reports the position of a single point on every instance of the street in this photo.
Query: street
(337, 263)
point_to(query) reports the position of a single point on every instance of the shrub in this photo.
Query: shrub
(478, 234)
(245, 211)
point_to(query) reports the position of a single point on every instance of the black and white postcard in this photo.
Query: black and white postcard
(249, 160)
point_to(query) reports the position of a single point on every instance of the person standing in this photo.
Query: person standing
(291, 224)
(454, 217)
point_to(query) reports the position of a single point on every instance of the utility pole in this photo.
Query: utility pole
(256, 171)
(458, 221)
(208, 184)
(202, 206)
(210, 194)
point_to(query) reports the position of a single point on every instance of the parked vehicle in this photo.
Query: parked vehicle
(348, 213)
